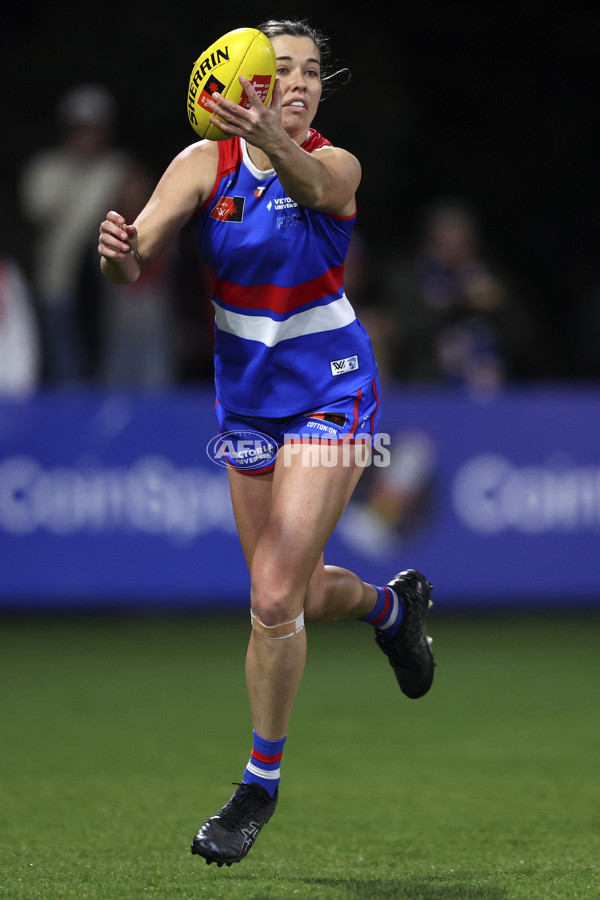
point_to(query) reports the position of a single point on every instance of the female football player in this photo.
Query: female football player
(275, 205)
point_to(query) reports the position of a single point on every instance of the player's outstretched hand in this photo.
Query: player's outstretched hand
(118, 247)
(259, 124)
(117, 238)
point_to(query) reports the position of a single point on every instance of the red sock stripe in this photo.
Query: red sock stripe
(263, 758)
(386, 608)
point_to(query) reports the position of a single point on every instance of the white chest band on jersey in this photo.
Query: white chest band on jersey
(278, 632)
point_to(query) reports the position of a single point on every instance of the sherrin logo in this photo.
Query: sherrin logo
(217, 57)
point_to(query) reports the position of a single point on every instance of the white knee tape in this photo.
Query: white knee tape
(278, 632)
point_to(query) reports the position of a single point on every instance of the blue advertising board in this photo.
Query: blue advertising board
(112, 499)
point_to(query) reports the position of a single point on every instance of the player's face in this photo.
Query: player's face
(299, 73)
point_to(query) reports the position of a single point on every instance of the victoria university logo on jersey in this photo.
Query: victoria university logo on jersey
(229, 209)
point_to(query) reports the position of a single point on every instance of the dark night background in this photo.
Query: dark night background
(496, 103)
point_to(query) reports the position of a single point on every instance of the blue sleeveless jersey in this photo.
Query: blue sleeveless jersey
(286, 337)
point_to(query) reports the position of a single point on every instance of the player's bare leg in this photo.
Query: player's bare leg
(307, 501)
(284, 522)
(290, 583)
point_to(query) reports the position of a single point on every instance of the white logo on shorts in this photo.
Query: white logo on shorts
(243, 449)
(341, 366)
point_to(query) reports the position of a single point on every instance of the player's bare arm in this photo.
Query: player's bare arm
(128, 249)
(326, 179)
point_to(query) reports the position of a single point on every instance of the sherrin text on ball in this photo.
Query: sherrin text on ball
(244, 51)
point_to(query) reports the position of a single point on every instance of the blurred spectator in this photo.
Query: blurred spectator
(136, 332)
(20, 345)
(193, 310)
(379, 322)
(458, 320)
(158, 331)
(66, 191)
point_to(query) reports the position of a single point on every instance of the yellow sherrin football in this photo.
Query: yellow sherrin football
(245, 51)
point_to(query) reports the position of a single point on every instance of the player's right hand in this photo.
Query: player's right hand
(117, 238)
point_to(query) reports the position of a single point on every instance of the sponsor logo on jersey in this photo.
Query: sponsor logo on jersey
(287, 220)
(287, 211)
(229, 209)
(282, 203)
(321, 427)
(259, 191)
(342, 366)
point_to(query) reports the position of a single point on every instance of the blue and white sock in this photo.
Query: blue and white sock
(264, 764)
(388, 613)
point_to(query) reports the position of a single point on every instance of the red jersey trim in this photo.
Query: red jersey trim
(230, 154)
(277, 299)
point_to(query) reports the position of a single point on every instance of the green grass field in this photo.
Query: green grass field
(120, 736)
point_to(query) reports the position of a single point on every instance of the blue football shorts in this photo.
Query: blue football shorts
(251, 443)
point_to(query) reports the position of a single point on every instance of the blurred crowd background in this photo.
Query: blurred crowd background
(475, 257)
